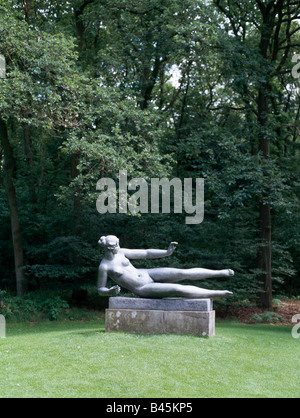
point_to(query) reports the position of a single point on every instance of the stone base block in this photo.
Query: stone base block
(170, 304)
(160, 322)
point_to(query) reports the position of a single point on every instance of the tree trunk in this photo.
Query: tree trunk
(77, 226)
(264, 256)
(8, 170)
(148, 81)
(75, 158)
(27, 9)
(29, 159)
(80, 28)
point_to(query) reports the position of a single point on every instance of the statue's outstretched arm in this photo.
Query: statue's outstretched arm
(150, 253)
(101, 284)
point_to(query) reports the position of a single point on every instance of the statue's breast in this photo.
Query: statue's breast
(119, 267)
(125, 262)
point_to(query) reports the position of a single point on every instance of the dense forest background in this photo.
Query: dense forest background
(161, 88)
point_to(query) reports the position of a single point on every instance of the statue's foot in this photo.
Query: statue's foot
(226, 273)
(222, 294)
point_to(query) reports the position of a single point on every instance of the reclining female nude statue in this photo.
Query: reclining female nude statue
(155, 282)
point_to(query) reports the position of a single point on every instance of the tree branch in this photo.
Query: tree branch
(293, 126)
(261, 6)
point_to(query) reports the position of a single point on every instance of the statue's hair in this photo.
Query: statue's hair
(103, 240)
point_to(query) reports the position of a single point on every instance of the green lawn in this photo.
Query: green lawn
(76, 359)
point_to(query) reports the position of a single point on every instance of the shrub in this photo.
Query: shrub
(277, 303)
(31, 306)
(266, 317)
(53, 307)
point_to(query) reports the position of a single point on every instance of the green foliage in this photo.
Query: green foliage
(39, 67)
(31, 307)
(66, 261)
(266, 317)
(277, 303)
(89, 91)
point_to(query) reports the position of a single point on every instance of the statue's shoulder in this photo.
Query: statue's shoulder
(104, 265)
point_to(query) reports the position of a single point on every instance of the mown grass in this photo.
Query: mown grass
(78, 359)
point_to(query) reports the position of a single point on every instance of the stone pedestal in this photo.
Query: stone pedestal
(160, 316)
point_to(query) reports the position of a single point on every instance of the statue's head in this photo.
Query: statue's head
(110, 242)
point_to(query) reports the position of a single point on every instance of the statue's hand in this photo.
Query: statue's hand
(113, 291)
(172, 247)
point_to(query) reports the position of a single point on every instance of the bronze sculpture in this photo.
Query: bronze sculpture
(154, 282)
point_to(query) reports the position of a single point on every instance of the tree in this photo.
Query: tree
(89, 91)
(8, 170)
(269, 29)
(30, 96)
(225, 133)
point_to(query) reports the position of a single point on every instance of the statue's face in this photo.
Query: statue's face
(112, 244)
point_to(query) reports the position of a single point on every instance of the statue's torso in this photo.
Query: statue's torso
(124, 273)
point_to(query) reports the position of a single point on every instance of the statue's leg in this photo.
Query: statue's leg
(169, 290)
(173, 275)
